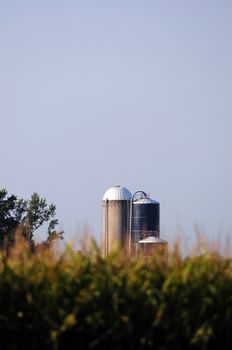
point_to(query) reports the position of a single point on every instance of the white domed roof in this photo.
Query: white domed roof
(117, 193)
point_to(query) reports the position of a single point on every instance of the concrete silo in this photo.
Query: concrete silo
(116, 218)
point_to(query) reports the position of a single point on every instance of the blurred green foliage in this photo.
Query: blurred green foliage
(26, 216)
(83, 301)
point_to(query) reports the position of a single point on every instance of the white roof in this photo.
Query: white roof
(145, 201)
(152, 239)
(117, 193)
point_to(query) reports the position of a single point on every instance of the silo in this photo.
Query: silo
(145, 219)
(116, 218)
(148, 246)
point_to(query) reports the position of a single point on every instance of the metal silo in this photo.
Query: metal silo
(144, 220)
(148, 246)
(116, 218)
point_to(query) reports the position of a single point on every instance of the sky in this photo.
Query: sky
(100, 93)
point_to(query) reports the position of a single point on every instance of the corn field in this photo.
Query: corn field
(77, 300)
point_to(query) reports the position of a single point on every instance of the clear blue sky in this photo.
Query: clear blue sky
(101, 93)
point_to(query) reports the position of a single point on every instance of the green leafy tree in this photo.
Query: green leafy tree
(11, 212)
(29, 216)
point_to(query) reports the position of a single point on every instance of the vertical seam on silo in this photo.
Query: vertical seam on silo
(106, 241)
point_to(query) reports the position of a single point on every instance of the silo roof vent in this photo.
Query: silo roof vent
(117, 193)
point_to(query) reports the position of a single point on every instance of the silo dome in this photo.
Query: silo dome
(145, 200)
(117, 193)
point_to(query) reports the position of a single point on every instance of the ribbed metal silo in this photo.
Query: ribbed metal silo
(148, 246)
(145, 219)
(116, 219)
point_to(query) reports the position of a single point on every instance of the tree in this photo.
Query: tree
(11, 212)
(29, 216)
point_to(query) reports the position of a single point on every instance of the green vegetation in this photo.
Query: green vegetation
(82, 301)
(26, 216)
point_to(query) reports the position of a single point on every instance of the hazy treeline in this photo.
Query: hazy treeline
(24, 217)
